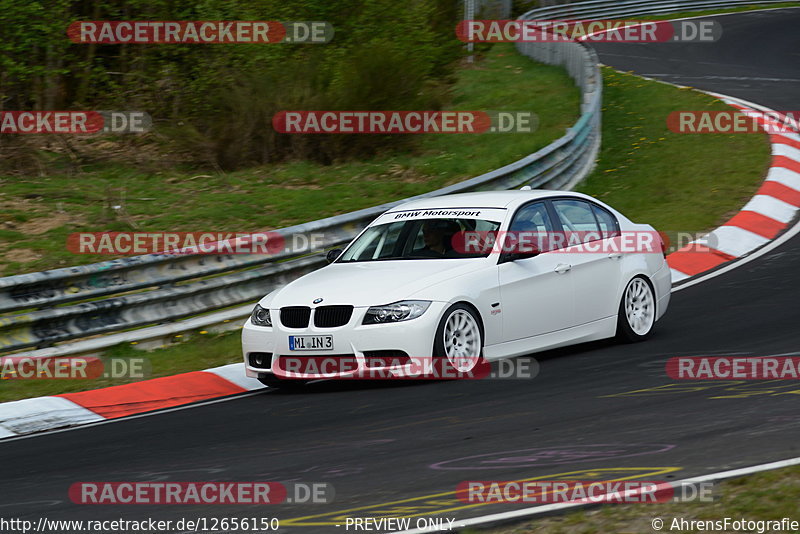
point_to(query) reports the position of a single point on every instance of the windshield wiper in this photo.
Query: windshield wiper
(407, 258)
(390, 258)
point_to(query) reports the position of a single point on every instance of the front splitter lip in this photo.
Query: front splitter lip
(425, 368)
(418, 368)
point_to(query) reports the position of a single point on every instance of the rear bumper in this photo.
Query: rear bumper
(662, 281)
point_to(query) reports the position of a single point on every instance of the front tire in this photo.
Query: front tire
(637, 311)
(459, 338)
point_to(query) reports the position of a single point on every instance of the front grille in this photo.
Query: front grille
(386, 358)
(331, 316)
(295, 316)
(306, 364)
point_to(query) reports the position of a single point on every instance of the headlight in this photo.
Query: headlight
(399, 311)
(260, 316)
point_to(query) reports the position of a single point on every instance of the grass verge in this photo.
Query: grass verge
(767, 496)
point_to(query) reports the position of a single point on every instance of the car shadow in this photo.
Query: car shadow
(328, 386)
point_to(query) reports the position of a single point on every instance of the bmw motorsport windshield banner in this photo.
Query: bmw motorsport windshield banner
(489, 214)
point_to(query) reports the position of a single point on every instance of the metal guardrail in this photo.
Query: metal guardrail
(123, 294)
(628, 8)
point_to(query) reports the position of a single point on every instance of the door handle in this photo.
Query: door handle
(615, 255)
(561, 268)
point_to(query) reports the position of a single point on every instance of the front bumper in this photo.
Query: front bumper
(414, 337)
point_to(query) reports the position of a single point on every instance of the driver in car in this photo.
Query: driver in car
(437, 234)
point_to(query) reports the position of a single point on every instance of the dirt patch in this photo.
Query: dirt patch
(41, 225)
(35, 155)
(400, 174)
(312, 187)
(25, 204)
(21, 255)
(41, 218)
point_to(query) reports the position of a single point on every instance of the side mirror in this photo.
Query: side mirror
(524, 255)
(333, 254)
(518, 246)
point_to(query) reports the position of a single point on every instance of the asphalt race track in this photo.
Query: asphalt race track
(595, 411)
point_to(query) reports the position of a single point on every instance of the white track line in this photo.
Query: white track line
(547, 508)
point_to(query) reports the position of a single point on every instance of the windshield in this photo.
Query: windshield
(420, 239)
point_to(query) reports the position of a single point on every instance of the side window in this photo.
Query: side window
(608, 223)
(418, 241)
(532, 217)
(532, 224)
(578, 221)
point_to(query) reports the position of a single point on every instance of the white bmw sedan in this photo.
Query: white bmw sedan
(465, 278)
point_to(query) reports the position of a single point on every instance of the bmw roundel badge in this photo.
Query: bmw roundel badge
(317, 301)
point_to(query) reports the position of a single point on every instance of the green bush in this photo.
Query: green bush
(221, 97)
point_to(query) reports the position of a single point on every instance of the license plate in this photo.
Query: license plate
(310, 342)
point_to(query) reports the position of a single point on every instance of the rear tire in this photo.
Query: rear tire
(637, 311)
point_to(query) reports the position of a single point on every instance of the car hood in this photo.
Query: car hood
(370, 283)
